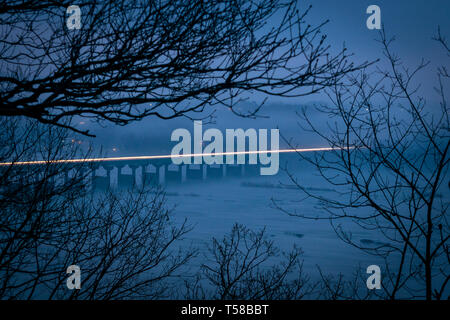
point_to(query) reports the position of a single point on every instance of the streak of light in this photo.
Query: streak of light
(163, 156)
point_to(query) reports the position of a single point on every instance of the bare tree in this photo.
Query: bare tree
(124, 243)
(390, 170)
(245, 265)
(30, 200)
(135, 58)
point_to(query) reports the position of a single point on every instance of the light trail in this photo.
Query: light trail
(18, 163)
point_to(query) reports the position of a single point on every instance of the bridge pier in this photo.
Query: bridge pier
(108, 169)
(123, 180)
(195, 172)
(154, 172)
(134, 167)
(174, 173)
(101, 182)
(216, 171)
(154, 178)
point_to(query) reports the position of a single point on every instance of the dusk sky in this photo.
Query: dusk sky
(224, 150)
(413, 23)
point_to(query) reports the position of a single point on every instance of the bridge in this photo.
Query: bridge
(126, 174)
(134, 171)
(101, 175)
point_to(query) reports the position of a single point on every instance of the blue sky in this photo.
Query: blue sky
(412, 22)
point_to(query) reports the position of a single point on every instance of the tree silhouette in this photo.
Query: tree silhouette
(390, 170)
(133, 59)
(124, 242)
(246, 265)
